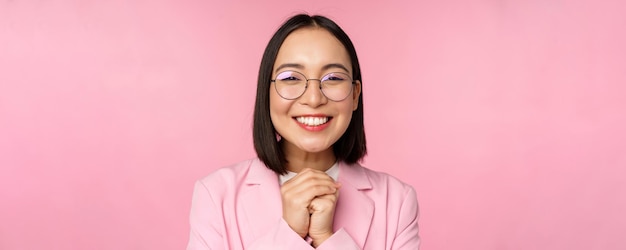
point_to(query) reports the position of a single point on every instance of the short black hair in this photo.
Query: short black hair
(350, 147)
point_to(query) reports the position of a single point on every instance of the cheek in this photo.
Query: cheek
(278, 107)
(273, 110)
(348, 108)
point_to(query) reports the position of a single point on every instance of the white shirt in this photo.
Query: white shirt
(333, 172)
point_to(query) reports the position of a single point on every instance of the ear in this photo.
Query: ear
(355, 94)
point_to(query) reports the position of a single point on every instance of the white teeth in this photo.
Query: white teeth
(312, 121)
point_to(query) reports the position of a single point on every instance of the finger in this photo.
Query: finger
(308, 174)
(322, 204)
(308, 191)
(306, 181)
(330, 197)
(307, 185)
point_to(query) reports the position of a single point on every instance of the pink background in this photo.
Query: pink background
(506, 116)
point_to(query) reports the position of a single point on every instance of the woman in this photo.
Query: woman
(306, 189)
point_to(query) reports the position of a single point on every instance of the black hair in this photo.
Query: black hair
(350, 147)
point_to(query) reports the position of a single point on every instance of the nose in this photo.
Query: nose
(313, 95)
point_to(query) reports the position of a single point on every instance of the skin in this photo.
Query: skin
(310, 197)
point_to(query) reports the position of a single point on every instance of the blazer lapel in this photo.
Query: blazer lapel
(260, 199)
(355, 210)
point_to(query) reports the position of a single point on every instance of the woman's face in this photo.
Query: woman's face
(314, 52)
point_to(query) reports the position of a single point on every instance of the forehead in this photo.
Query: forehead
(313, 48)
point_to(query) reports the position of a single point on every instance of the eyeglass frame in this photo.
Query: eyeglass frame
(306, 85)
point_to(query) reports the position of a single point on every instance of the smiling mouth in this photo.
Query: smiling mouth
(313, 121)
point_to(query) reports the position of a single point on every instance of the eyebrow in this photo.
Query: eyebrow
(300, 66)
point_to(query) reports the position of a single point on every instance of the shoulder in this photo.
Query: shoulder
(379, 186)
(399, 196)
(225, 178)
(231, 171)
(378, 179)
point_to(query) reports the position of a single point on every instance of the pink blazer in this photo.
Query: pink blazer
(239, 207)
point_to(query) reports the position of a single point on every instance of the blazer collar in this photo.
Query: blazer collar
(354, 175)
(258, 173)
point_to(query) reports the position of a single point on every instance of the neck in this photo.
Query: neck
(298, 159)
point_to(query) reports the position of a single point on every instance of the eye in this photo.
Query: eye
(288, 76)
(335, 77)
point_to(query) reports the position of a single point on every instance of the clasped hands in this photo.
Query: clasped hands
(309, 201)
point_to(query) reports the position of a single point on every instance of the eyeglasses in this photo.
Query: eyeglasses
(335, 86)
